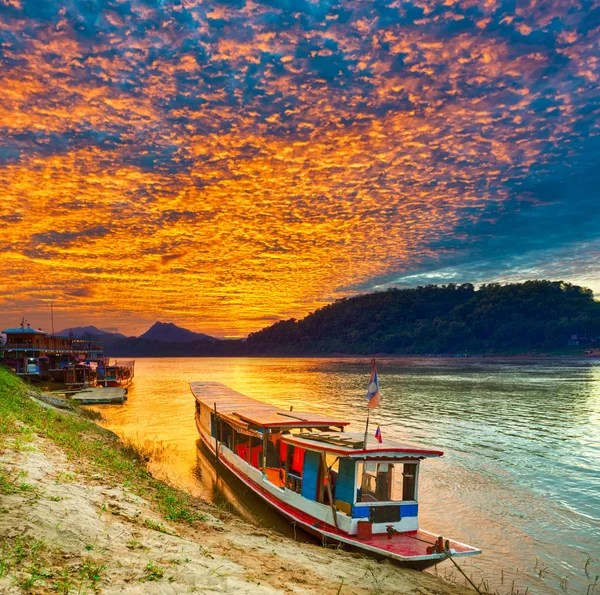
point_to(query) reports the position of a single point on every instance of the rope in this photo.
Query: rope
(449, 556)
(419, 539)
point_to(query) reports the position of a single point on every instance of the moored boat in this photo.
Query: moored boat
(335, 484)
(117, 374)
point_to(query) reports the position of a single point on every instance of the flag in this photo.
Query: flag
(373, 395)
(378, 435)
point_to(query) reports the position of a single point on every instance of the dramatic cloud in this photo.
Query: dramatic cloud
(223, 164)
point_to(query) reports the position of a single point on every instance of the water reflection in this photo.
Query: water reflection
(522, 441)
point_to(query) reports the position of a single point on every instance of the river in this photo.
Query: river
(520, 477)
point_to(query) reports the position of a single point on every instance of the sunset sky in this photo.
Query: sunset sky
(223, 165)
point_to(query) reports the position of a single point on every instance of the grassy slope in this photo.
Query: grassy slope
(99, 452)
(99, 455)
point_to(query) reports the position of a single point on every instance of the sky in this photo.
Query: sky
(223, 165)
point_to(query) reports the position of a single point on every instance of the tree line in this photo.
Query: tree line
(534, 316)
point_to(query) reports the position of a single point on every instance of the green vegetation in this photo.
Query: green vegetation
(37, 565)
(97, 451)
(535, 316)
(152, 572)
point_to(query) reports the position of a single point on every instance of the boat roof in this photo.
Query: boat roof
(26, 331)
(243, 410)
(351, 444)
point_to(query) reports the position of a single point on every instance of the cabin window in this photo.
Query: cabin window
(386, 482)
(333, 463)
(333, 466)
(226, 434)
(241, 446)
(273, 454)
(295, 464)
(376, 482)
(256, 452)
(274, 469)
(409, 481)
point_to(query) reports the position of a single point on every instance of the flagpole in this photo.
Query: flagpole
(366, 429)
(373, 377)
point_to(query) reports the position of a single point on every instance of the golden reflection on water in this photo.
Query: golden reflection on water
(522, 446)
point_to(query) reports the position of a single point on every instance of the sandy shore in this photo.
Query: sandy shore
(66, 526)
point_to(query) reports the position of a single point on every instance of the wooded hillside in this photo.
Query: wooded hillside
(519, 317)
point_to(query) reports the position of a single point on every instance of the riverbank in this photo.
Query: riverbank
(80, 513)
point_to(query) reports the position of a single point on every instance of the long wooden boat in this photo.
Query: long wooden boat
(323, 478)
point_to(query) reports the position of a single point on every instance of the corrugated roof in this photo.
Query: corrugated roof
(241, 408)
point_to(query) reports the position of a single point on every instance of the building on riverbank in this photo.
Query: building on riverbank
(34, 353)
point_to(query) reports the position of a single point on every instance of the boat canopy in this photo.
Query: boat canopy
(241, 410)
(350, 444)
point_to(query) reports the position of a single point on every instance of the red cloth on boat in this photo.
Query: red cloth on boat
(298, 460)
(242, 450)
(282, 451)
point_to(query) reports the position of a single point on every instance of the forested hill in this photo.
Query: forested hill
(535, 316)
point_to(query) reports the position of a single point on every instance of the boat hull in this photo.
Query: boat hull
(407, 549)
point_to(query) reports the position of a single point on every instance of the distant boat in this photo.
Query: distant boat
(117, 374)
(322, 478)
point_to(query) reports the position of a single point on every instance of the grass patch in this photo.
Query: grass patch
(150, 524)
(152, 572)
(93, 448)
(13, 483)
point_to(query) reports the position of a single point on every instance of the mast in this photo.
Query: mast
(366, 430)
(52, 316)
(373, 396)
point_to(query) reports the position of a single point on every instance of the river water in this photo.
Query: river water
(520, 477)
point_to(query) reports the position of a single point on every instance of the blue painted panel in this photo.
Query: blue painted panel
(344, 488)
(310, 474)
(409, 510)
(360, 512)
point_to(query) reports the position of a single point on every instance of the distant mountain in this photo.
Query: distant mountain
(167, 332)
(87, 331)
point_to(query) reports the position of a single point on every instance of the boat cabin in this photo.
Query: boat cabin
(306, 462)
(34, 353)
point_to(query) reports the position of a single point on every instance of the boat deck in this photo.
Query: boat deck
(99, 396)
(412, 544)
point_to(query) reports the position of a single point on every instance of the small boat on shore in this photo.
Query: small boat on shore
(334, 484)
